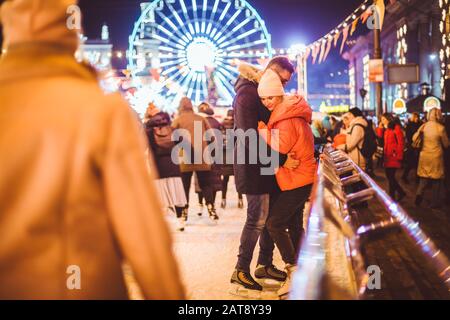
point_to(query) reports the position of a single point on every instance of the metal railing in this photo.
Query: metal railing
(310, 281)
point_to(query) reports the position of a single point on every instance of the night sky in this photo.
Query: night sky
(289, 21)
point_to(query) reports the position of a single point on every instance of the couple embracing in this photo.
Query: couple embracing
(276, 201)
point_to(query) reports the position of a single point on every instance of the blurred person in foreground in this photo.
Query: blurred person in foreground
(431, 159)
(75, 189)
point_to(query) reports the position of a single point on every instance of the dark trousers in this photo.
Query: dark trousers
(225, 180)
(411, 160)
(285, 222)
(437, 188)
(254, 229)
(394, 186)
(204, 182)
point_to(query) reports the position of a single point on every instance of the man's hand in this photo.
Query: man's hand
(291, 163)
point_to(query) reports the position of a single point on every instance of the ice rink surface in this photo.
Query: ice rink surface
(207, 251)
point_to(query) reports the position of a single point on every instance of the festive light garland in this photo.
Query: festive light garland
(444, 53)
(321, 47)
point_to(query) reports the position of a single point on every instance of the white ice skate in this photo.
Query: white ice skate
(284, 291)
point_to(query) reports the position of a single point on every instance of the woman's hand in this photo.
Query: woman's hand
(261, 125)
(291, 163)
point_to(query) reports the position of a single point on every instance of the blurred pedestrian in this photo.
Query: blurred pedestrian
(393, 153)
(431, 159)
(227, 169)
(188, 120)
(169, 184)
(355, 137)
(215, 181)
(412, 155)
(77, 199)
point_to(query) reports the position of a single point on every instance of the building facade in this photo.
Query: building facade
(98, 52)
(414, 32)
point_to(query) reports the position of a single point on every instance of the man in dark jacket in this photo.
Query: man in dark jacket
(411, 156)
(248, 111)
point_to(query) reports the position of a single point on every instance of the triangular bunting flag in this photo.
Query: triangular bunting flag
(381, 11)
(315, 52)
(366, 15)
(322, 51)
(327, 51)
(344, 37)
(354, 25)
(336, 38)
(307, 53)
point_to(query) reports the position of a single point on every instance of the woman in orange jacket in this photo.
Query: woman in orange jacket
(288, 130)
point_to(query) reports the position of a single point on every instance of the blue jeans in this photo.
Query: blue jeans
(254, 229)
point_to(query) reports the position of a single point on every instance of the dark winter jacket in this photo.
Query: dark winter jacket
(215, 180)
(227, 124)
(248, 111)
(165, 165)
(410, 129)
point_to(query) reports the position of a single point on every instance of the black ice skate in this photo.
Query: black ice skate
(200, 205)
(243, 285)
(223, 204)
(184, 215)
(212, 213)
(270, 273)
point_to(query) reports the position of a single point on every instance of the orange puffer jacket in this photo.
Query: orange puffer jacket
(288, 131)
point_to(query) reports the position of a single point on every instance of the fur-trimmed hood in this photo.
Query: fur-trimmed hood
(248, 75)
(250, 72)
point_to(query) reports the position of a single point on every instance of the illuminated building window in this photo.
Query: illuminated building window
(366, 102)
(402, 50)
(351, 74)
(444, 53)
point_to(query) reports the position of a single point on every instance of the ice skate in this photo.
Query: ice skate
(184, 215)
(212, 213)
(284, 291)
(243, 285)
(181, 224)
(223, 204)
(270, 277)
(241, 204)
(200, 213)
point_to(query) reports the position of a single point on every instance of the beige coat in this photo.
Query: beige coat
(355, 140)
(431, 160)
(74, 186)
(187, 120)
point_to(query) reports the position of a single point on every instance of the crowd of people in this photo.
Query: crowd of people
(419, 146)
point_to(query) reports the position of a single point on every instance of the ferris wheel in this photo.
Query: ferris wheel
(196, 45)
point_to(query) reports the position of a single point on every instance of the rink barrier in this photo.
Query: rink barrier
(311, 279)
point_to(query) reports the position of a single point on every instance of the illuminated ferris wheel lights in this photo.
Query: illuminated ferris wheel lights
(194, 37)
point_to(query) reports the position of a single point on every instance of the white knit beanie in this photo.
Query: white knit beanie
(270, 85)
